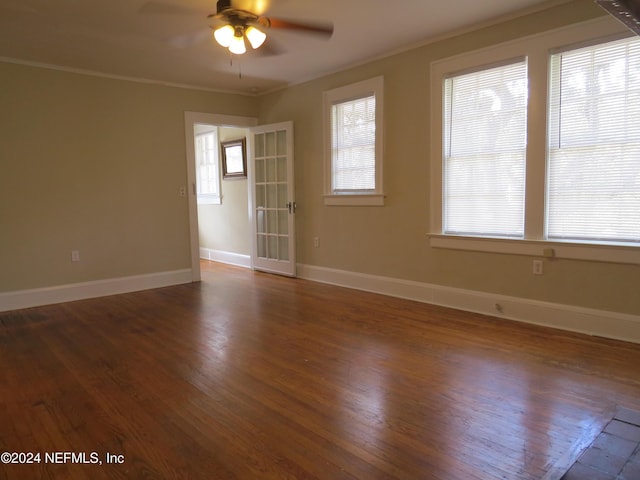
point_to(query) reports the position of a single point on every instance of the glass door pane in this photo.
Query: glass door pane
(273, 198)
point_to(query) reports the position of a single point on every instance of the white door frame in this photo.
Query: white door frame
(190, 119)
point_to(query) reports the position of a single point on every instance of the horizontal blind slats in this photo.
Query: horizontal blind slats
(484, 154)
(353, 145)
(593, 188)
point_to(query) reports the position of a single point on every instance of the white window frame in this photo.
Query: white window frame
(573, 136)
(373, 86)
(208, 198)
(537, 49)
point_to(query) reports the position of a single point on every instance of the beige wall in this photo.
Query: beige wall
(391, 240)
(225, 227)
(95, 165)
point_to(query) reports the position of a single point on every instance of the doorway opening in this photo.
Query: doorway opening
(269, 189)
(219, 228)
(223, 224)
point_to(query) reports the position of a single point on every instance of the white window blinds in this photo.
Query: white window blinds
(593, 188)
(485, 116)
(353, 145)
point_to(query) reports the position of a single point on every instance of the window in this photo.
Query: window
(353, 163)
(594, 143)
(535, 148)
(485, 125)
(207, 165)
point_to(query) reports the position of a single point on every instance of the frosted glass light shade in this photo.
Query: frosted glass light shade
(224, 35)
(237, 46)
(255, 37)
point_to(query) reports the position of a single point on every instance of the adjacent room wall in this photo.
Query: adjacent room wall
(391, 241)
(96, 165)
(224, 228)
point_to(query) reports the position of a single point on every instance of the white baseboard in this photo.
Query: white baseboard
(99, 288)
(236, 259)
(614, 325)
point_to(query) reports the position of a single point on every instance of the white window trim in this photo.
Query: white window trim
(330, 97)
(537, 49)
(210, 198)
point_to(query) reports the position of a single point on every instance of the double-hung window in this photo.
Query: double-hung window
(353, 158)
(593, 191)
(536, 146)
(207, 165)
(485, 126)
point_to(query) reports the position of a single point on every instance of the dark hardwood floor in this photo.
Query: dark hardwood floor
(254, 376)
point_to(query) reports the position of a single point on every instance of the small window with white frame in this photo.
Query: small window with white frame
(353, 139)
(207, 165)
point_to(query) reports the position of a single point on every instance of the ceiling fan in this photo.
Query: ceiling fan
(238, 22)
(233, 25)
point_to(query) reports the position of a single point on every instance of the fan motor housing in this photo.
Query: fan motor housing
(223, 5)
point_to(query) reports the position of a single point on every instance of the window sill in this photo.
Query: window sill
(597, 252)
(209, 200)
(357, 200)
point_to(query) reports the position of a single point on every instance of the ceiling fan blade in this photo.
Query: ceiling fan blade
(162, 8)
(18, 7)
(268, 49)
(325, 28)
(189, 39)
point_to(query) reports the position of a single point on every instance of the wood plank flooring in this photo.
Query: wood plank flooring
(254, 376)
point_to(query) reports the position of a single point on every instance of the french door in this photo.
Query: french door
(273, 203)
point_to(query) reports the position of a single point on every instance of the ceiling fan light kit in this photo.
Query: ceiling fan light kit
(232, 38)
(237, 45)
(238, 25)
(224, 35)
(256, 37)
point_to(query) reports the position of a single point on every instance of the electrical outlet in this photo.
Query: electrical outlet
(316, 242)
(75, 255)
(537, 267)
(183, 191)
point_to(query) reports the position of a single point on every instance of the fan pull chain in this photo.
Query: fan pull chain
(239, 65)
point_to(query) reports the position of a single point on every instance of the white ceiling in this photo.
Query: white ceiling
(170, 41)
